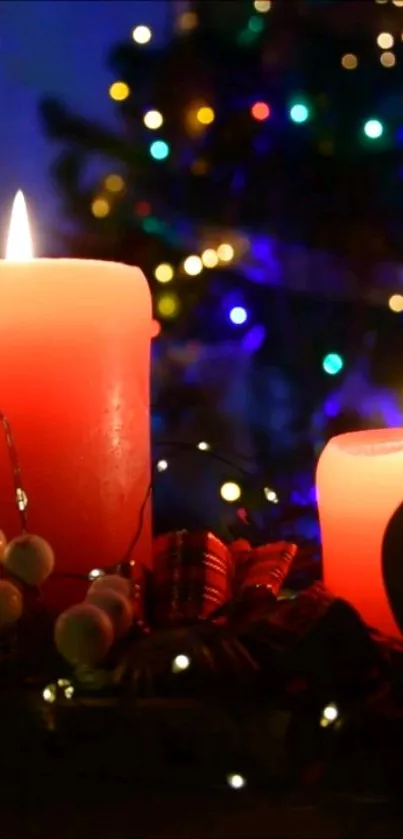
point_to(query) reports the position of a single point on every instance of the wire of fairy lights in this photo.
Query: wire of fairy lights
(229, 491)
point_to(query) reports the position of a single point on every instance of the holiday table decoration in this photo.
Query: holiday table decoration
(74, 371)
(360, 494)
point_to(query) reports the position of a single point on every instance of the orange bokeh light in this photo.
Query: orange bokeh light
(260, 111)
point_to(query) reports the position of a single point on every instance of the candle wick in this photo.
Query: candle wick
(21, 498)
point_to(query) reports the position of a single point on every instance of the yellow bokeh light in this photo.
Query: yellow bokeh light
(225, 252)
(187, 21)
(349, 61)
(262, 6)
(398, 3)
(388, 59)
(142, 34)
(396, 303)
(153, 120)
(230, 491)
(209, 258)
(119, 91)
(205, 115)
(385, 40)
(114, 183)
(100, 207)
(193, 265)
(168, 305)
(164, 273)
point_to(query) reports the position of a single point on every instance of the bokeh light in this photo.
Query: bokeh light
(238, 315)
(114, 183)
(187, 21)
(168, 305)
(385, 40)
(349, 61)
(205, 115)
(193, 265)
(225, 252)
(100, 207)
(299, 112)
(162, 465)
(159, 150)
(332, 363)
(180, 663)
(119, 91)
(388, 59)
(236, 781)
(203, 446)
(209, 258)
(230, 491)
(260, 111)
(142, 34)
(153, 120)
(373, 129)
(164, 273)
(255, 24)
(262, 6)
(396, 303)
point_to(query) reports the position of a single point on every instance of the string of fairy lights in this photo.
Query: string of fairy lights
(198, 117)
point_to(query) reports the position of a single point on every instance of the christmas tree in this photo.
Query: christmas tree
(255, 140)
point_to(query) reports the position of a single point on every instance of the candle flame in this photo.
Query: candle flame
(19, 244)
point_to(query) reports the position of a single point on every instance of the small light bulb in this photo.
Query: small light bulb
(225, 252)
(203, 446)
(63, 683)
(262, 6)
(114, 183)
(119, 91)
(230, 491)
(100, 207)
(69, 692)
(396, 303)
(162, 465)
(209, 258)
(329, 714)
(21, 499)
(180, 662)
(205, 115)
(270, 495)
(385, 40)
(164, 273)
(236, 781)
(142, 34)
(49, 693)
(95, 573)
(153, 120)
(193, 265)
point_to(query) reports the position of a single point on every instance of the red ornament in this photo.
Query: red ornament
(191, 577)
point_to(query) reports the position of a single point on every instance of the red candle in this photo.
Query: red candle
(360, 494)
(74, 386)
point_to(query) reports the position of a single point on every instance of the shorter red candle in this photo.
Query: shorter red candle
(360, 488)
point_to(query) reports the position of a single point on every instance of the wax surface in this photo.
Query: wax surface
(360, 486)
(74, 385)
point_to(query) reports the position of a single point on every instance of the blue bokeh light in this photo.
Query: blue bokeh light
(159, 150)
(332, 363)
(238, 315)
(299, 112)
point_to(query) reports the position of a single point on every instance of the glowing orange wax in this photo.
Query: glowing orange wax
(74, 385)
(360, 488)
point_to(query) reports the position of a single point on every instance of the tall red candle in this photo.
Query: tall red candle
(74, 386)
